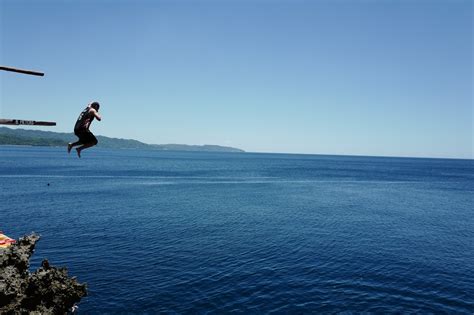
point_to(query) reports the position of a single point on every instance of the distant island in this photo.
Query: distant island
(10, 136)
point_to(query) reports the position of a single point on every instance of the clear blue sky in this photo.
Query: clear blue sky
(392, 78)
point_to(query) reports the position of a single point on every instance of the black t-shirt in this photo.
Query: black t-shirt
(84, 120)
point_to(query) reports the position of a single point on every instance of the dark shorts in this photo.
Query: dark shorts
(85, 136)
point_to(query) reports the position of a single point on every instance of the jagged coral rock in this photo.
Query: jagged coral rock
(48, 290)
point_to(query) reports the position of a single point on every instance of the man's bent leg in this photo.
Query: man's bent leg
(71, 145)
(85, 146)
(87, 139)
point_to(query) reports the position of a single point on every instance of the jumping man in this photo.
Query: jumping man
(81, 129)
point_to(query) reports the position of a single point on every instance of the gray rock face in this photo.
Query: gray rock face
(48, 290)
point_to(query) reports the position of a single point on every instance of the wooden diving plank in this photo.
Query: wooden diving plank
(22, 71)
(26, 122)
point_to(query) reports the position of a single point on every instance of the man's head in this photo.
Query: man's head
(95, 105)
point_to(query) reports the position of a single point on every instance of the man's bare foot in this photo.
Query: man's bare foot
(78, 152)
(69, 147)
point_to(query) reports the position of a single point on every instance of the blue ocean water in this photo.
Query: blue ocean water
(177, 232)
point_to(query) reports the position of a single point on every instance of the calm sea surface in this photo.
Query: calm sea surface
(177, 232)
